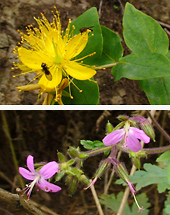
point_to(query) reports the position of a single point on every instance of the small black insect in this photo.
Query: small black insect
(46, 71)
(85, 29)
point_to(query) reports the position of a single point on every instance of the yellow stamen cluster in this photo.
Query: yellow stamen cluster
(52, 55)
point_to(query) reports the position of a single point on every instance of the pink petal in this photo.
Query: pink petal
(30, 163)
(133, 143)
(49, 169)
(139, 134)
(114, 137)
(47, 187)
(26, 174)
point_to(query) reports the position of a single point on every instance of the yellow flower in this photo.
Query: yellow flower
(51, 53)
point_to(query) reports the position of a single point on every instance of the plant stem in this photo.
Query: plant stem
(96, 199)
(159, 127)
(106, 66)
(8, 135)
(99, 150)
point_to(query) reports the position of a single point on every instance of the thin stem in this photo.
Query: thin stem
(8, 135)
(159, 127)
(126, 194)
(106, 66)
(99, 150)
(96, 199)
(157, 150)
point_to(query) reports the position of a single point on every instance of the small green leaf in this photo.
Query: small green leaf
(142, 33)
(168, 172)
(163, 157)
(88, 96)
(166, 210)
(112, 48)
(88, 144)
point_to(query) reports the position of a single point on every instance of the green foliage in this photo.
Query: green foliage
(142, 34)
(151, 175)
(90, 145)
(164, 157)
(88, 96)
(112, 48)
(166, 210)
(150, 60)
(113, 202)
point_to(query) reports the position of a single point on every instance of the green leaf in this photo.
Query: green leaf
(112, 48)
(163, 157)
(157, 90)
(152, 175)
(88, 144)
(95, 43)
(142, 33)
(113, 202)
(168, 172)
(88, 96)
(166, 210)
(139, 67)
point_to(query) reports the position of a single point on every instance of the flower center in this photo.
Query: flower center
(58, 59)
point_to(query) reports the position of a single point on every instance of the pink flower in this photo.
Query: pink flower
(38, 177)
(130, 138)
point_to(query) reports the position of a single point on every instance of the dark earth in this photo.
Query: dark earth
(43, 133)
(17, 14)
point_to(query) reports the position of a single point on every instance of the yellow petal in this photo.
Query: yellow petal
(76, 45)
(79, 72)
(49, 86)
(29, 87)
(31, 59)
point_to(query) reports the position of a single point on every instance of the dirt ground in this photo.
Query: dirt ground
(43, 133)
(17, 14)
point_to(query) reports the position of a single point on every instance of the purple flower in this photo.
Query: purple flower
(129, 137)
(38, 177)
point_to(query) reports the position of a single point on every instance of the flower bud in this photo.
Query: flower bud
(147, 128)
(84, 179)
(102, 168)
(122, 172)
(109, 128)
(73, 185)
(83, 155)
(123, 117)
(73, 152)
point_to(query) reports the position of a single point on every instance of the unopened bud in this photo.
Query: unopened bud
(123, 117)
(147, 128)
(73, 185)
(84, 179)
(122, 172)
(102, 168)
(73, 152)
(109, 127)
(83, 155)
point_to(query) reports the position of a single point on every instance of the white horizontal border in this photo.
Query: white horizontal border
(84, 107)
